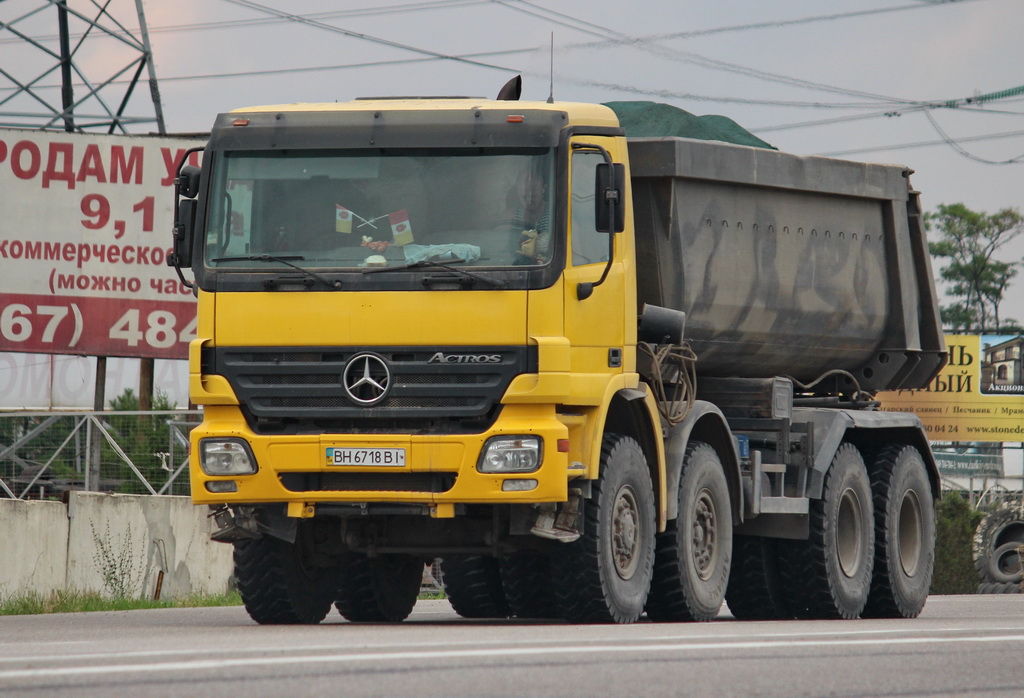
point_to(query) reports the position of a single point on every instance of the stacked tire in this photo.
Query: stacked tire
(997, 551)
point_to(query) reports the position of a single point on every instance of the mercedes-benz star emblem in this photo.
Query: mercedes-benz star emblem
(366, 379)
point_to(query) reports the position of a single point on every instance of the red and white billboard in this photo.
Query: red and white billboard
(85, 230)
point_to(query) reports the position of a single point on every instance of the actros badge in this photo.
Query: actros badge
(366, 379)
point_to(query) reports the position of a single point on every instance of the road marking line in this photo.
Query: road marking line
(499, 652)
(506, 643)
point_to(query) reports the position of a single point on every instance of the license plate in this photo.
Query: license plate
(366, 456)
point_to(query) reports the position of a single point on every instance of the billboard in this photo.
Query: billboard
(978, 396)
(85, 230)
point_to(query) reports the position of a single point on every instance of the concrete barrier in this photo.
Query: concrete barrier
(112, 544)
(33, 547)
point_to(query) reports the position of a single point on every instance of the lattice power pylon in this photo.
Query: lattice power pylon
(80, 78)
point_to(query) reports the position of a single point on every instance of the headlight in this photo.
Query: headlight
(510, 454)
(226, 457)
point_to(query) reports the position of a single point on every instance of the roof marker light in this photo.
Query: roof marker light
(240, 122)
(515, 118)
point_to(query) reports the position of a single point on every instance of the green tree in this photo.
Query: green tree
(955, 523)
(977, 279)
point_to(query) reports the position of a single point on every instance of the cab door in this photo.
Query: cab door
(596, 326)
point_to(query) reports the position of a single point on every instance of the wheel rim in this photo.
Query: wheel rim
(909, 533)
(849, 533)
(626, 533)
(705, 535)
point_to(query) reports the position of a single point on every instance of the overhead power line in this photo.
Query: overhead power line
(610, 38)
(258, 21)
(962, 103)
(922, 144)
(955, 144)
(772, 24)
(300, 19)
(651, 45)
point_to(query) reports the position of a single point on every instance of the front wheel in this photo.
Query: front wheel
(692, 558)
(279, 584)
(605, 576)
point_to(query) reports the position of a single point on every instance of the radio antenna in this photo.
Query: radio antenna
(551, 71)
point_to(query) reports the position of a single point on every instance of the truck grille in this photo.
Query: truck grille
(368, 482)
(295, 390)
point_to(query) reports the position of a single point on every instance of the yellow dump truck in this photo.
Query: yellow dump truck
(597, 377)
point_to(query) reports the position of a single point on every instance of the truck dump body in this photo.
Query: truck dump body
(786, 265)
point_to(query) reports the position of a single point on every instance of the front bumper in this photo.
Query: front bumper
(439, 470)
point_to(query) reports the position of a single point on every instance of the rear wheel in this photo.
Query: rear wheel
(279, 584)
(904, 534)
(605, 576)
(830, 573)
(378, 589)
(755, 590)
(473, 586)
(692, 557)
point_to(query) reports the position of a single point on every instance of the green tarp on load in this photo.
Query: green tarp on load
(652, 119)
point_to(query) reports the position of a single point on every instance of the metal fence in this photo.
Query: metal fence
(45, 454)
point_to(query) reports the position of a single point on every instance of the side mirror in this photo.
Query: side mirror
(610, 197)
(188, 181)
(184, 231)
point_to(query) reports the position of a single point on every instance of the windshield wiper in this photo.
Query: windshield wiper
(429, 263)
(282, 260)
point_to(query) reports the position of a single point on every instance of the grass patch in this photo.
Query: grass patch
(75, 602)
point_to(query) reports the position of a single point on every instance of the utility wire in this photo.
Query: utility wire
(347, 66)
(365, 37)
(773, 24)
(611, 37)
(961, 104)
(650, 45)
(960, 149)
(242, 23)
(907, 105)
(922, 144)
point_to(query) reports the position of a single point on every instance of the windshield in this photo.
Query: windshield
(373, 209)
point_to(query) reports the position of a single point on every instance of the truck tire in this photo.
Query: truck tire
(278, 585)
(1004, 565)
(473, 586)
(692, 556)
(528, 584)
(829, 575)
(605, 576)
(1010, 588)
(999, 588)
(380, 589)
(755, 590)
(1000, 526)
(904, 534)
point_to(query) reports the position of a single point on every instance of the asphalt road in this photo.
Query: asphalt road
(961, 645)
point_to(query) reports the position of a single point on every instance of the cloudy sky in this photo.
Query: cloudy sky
(893, 81)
